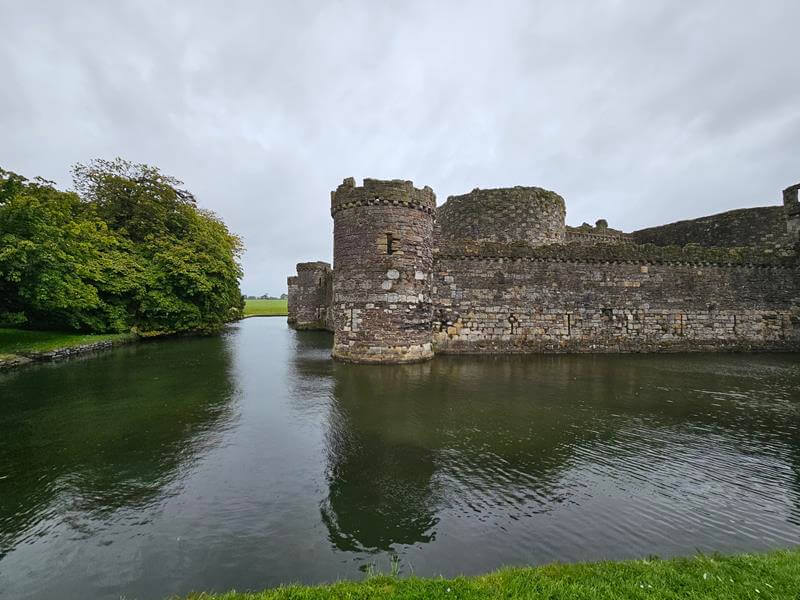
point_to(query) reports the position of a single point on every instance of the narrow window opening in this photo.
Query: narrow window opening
(569, 324)
(512, 321)
(389, 246)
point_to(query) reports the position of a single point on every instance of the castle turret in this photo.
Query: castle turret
(382, 260)
(519, 214)
(310, 294)
(791, 204)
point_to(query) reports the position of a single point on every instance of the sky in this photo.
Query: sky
(639, 112)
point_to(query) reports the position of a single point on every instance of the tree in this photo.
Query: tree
(54, 259)
(130, 251)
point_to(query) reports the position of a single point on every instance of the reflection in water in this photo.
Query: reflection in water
(93, 435)
(655, 447)
(380, 461)
(253, 460)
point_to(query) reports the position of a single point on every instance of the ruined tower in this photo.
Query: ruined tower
(507, 215)
(791, 204)
(310, 296)
(382, 261)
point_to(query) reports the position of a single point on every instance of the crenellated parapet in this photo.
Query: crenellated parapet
(396, 193)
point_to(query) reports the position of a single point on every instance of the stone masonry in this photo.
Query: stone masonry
(527, 214)
(791, 206)
(311, 296)
(382, 260)
(497, 271)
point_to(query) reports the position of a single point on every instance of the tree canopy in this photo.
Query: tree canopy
(129, 250)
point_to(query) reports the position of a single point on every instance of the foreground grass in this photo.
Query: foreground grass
(265, 308)
(775, 575)
(22, 342)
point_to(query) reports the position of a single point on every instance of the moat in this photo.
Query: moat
(253, 459)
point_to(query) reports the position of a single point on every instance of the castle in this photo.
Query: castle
(498, 271)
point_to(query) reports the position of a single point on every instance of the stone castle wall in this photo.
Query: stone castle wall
(519, 214)
(763, 226)
(528, 304)
(601, 233)
(383, 259)
(498, 272)
(311, 296)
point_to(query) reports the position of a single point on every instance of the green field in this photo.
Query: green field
(774, 575)
(265, 308)
(22, 342)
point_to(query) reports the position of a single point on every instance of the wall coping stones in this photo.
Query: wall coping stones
(622, 252)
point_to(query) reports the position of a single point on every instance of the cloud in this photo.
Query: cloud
(637, 112)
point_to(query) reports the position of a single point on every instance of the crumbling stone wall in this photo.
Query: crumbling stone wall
(763, 226)
(311, 296)
(514, 304)
(493, 274)
(518, 214)
(601, 233)
(382, 257)
(791, 207)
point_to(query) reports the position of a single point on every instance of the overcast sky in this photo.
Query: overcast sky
(640, 112)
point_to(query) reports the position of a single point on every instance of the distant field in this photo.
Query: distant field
(19, 341)
(265, 308)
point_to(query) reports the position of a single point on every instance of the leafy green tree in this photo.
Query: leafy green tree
(54, 259)
(130, 250)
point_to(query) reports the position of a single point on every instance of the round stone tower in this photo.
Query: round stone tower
(382, 264)
(519, 214)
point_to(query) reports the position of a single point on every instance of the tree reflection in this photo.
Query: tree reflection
(110, 431)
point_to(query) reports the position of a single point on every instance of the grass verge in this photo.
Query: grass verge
(774, 575)
(23, 342)
(265, 308)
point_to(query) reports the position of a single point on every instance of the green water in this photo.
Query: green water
(251, 459)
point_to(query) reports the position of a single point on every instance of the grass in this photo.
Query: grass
(774, 575)
(265, 308)
(22, 342)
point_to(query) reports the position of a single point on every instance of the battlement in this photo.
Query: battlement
(518, 214)
(378, 192)
(601, 233)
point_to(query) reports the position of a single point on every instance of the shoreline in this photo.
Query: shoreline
(21, 359)
(702, 577)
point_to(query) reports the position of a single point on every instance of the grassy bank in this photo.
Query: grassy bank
(775, 575)
(265, 308)
(19, 342)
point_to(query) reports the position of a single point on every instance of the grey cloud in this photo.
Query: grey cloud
(638, 112)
